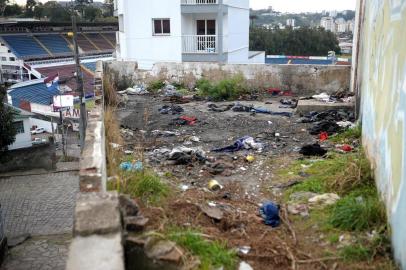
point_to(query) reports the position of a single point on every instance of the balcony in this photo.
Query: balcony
(201, 44)
(200, 6)
(199, 2)
(201, 48)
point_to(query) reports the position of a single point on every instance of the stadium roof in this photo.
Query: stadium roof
(32, 91)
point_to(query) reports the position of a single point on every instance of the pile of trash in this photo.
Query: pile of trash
(237, 107)
(246, 143)
(184, 120)
(177, 156)
(339, 96)
(331, 121)
(173, 109)
(138, 89)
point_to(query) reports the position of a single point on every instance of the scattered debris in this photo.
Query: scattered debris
(245, 266)
(178, 155)
(214, 185)
(131, 166)
(330, 127)
(136, 90)
(212, 211)
(184, 120)
(222, 108)
(269, 211)
(246, 142)
(165, 133)
(345, 148)
(244, 250)
(173, 109)
(313, 150)
(325, 199)
(250, 158)
(323, 136)
(302, 196)
(298, 209)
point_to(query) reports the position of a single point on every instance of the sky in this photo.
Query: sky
(304, 5)
(291, 5)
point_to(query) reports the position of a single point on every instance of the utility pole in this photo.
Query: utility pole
(79, 81)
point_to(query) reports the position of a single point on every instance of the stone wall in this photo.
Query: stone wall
(380, 79)
(97, 242)
(301, 79)
(36, 157)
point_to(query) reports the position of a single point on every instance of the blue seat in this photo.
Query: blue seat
(24, 46)
(90, 66)
(54, 43)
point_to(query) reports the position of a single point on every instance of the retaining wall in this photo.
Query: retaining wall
(36, 157)
(97, 230)
(301, 79)
(380, 79)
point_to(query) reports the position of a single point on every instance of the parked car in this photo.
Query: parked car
(37, 131)
(37, 141)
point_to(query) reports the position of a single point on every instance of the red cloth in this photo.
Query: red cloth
(323, 136)
(190, 120)
(346, 148)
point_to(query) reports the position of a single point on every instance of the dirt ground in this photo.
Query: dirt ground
(245, 185)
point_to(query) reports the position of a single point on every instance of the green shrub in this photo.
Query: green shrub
(213, 254)
(226, 89)
(155, 86)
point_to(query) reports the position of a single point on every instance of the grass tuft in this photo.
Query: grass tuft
(212, 254)
(355, 253)
(358, 211)
(348, 135)
(155, 86)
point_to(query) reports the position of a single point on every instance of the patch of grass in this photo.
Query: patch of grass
(333, 238)
(356, 252)
(212, 254)
(358, 211)
(225, 89)
(338, 173)
(145, 185)
(348, 135)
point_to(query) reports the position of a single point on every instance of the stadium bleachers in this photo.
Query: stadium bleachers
(100, 41)
(24, 46)
(90, 66)
(36, 93)
(55, 43)
(85, 44)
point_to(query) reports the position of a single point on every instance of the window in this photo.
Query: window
(161, 26)
(12, 58)
(3, 58)
(19, 126)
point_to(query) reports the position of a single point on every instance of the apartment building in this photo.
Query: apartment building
(184, 31)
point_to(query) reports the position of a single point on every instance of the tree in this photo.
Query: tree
(92, 13)
(29, 8)
(303, 41)
(108, 8)
(55, 12)
(7, 129)
(3, 4)
(39, 11)
(13, 10)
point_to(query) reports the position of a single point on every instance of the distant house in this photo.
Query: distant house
(184, 31)
(22, 124)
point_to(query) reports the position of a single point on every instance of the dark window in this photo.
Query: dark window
(12, 59)
(162, 26)
(19, 126)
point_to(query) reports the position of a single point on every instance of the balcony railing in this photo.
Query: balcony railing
(199, 44)
(199, 2)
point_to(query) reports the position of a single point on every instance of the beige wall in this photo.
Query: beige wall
(380, 77)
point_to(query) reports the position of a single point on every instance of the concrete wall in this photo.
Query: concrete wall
(97, 242)
(380, 78)
(302, 79)
(238, 32)
(36, 157)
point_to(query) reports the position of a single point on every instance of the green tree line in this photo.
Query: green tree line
(55, 12)
(303, 41)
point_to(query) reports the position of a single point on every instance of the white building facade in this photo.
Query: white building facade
(328, 24)
(184, 31)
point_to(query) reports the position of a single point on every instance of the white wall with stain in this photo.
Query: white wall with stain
(380, 77)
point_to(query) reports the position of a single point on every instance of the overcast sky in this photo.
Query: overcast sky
(291, 5)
